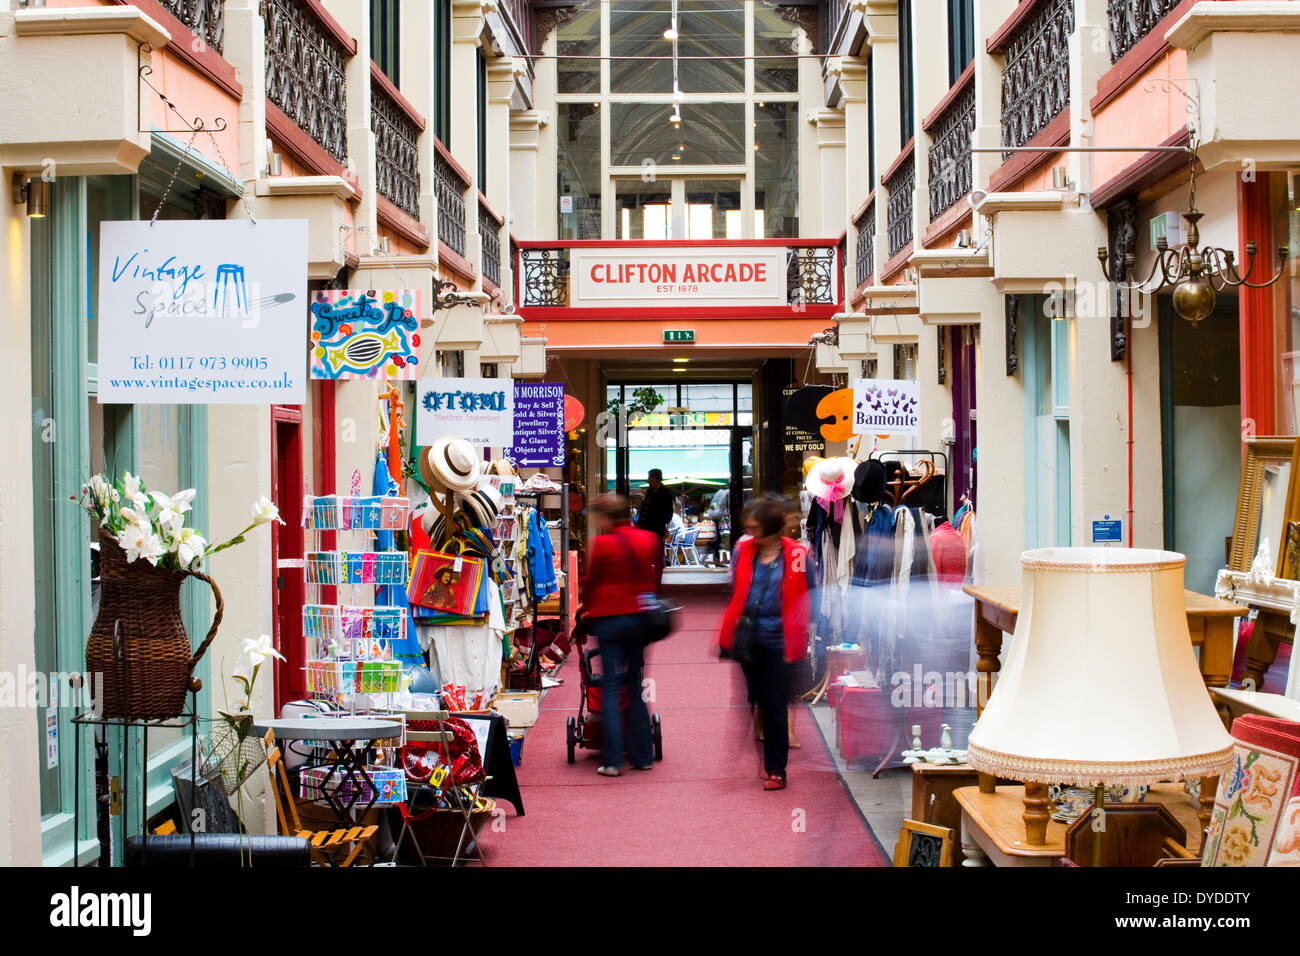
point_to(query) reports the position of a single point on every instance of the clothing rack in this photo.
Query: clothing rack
(563, 554)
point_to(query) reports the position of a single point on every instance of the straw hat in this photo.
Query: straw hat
(503, 467)
(450, 464)
(832, 479)
(483, 504)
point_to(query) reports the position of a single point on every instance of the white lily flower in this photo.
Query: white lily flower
(134, 540)
(99, 491)
(136, 518)
(260, 649)
(189, 547)
(264, 512)
(155, 549)
(133, 485)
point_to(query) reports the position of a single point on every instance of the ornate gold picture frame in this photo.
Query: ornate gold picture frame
(1268, 481)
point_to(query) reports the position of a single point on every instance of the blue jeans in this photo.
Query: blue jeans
(622, 657)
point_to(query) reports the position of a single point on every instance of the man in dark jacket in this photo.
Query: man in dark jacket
(655, 514)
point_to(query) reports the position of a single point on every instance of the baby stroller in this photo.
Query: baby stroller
(584, 730)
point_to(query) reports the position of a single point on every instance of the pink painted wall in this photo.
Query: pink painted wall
(1140, 117)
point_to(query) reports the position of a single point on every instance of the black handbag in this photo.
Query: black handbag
(744, 639)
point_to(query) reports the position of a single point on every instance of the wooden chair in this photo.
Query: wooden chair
(328, 847)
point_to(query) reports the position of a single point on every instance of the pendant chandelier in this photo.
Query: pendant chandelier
(1196, 274)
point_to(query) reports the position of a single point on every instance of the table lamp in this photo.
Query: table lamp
(1100, 685)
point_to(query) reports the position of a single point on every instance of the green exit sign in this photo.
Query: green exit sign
(678, 336)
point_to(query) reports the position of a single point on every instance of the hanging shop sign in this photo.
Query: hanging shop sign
(677, 276)
(887, 408)
(798, 438)
(204, 312)
(479, 410)
(370, 334)
(539, 425)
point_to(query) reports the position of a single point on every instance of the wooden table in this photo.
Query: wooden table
(933, 785)
(1209, 621)
(993, 829)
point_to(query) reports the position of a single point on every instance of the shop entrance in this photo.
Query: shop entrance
(701, 436)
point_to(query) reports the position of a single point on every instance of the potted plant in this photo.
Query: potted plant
(138, 642)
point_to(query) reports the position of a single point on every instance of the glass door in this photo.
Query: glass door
(712, 209)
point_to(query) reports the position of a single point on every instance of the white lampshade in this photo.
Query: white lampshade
(1100, 684)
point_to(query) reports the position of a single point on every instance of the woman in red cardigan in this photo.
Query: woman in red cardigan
(772, 583)
(620, 570)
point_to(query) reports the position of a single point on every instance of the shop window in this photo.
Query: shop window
(906, 92)
(776, 170)
(711, 47)
(480, 75)
(579, 174)
(577, 48)
(710, 134)
(1046, 368)
(961, 37)
(636, 29)
(905, 362)
(442, 71)
(774, 36)
(384, 37)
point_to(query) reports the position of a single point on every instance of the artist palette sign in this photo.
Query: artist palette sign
(676, 276)
(204, 312)
(887, 408)
(479, 410)
(365, 334)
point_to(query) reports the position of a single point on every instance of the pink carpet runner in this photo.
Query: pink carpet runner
(704, 803)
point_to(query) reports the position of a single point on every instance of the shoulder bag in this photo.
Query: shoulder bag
(656, 613)
(744, 639)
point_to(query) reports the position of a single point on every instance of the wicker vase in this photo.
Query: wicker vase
(138, 642)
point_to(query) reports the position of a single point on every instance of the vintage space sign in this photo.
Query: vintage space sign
(202, 312)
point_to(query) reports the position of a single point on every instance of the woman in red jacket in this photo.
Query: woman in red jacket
(771, 583)
(620, 569)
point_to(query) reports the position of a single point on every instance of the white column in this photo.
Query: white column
(832, 216)
(466, 34)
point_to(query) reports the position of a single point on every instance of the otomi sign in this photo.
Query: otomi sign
(678, 275)
(480, 410)
(203, 312)
(887, 407)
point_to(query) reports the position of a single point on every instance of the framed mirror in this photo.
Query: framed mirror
(1268, 506)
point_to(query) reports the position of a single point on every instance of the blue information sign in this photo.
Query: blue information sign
(539, 425)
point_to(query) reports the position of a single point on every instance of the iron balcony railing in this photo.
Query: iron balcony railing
(450, 187)
(542, 275)
(205, 18)
(397, 151)
(489, 237)
(901, 187)
(950, 155)
(1036, 78)
(305, 73)
(866, 251)
(1131, 20)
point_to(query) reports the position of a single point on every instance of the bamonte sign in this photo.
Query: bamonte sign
(677, 276)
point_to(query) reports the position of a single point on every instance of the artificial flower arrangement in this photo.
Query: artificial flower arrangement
(151, 525)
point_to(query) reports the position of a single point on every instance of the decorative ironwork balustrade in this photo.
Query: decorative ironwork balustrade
(1036, 78)
(450, 190)
(489, 236)
(866, 226)
(810, 275)
(205, 18)
(1131, 20)
(397, 152)
(898, 213)
(305, 73)
(544, 276)
(950, 156)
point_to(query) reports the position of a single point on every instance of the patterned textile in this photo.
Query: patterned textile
(1256, 819)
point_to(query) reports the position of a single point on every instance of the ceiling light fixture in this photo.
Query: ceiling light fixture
(1196, 275)
(681, 361)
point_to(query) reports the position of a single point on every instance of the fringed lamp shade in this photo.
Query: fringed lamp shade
(1101, 684)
